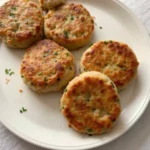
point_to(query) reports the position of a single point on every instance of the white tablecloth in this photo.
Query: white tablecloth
(137, 138)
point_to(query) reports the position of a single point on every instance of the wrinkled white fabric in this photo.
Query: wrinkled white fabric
(142, 9)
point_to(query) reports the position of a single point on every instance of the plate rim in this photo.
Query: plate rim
(97, 144)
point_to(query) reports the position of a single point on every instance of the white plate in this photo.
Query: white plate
(43, 123)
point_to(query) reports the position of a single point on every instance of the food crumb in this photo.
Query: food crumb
(20, 90)
(90, 134)
(93, 17)
(7, 81)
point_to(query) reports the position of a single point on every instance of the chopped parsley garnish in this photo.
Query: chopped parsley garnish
(87, 96)
(112, 85)
(55, 53)
(18, 24)
(90, 44)
(45, 54)
(90, 130)
(85, 69)
(14, 8)
(12, 15)
(101, 27)
(9, 72)
(72, 18)
(1, 24)
(67, 54)
(32, 83)
(116, 100)
(45, 79)
(66, 34)
(123, 68)
(22, 110)
(105, 42)
(110, 41)
(22, 76)
(65, 90)
(40, 73)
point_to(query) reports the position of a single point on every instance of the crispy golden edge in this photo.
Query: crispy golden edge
(45, 64)
(80, 110)
(115, 59)
(77, 25)
(16, 34)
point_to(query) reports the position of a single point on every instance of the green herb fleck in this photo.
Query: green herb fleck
(22, 110)
(9, 72)
(40, 73)
(89, 130)
(18, 24)
(66, 34)
(22, 76)
(56, 53)
(65, 90)
(32, 83)
(123, 68)
(67, 54)
(116, 100)
(45, 79)
(85, 69)
(1, 24)
(14, 8)
(90, 44)
(105, 42)
(101, 27)
(12, 15)
(45, 54)
(110, 41)
(87, 96)
(112, 85)
(72, 18)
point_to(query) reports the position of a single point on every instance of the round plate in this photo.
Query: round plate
(43, 124)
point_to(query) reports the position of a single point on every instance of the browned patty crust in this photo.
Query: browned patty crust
(115, 59)
(46, 66)
(50, 4)
(90, 103)
(21, 23)
(69, 25)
